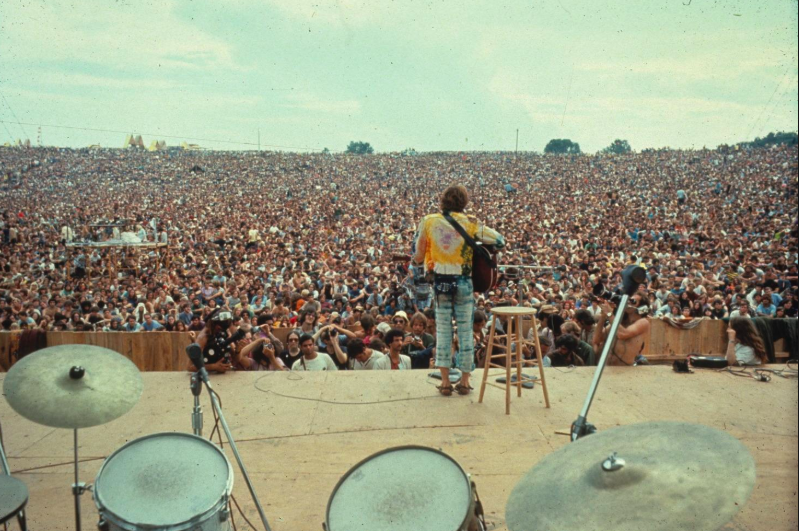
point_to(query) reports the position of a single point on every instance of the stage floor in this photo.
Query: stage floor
(297, 446)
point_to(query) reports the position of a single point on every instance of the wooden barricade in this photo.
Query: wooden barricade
(9, 343)
(667, 343)
(166, 351)
(149, 351)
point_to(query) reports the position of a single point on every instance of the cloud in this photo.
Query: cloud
(309, 102)
(126, 37)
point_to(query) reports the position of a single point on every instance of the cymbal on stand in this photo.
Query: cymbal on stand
(656, 476)
(73, 386)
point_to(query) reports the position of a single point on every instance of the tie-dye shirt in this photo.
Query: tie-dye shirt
(439, 246)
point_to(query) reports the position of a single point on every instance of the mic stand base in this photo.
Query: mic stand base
(229, 436)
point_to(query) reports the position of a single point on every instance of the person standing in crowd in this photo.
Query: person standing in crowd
(312, 360)
(441, 250)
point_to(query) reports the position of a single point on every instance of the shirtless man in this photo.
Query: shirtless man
(632, 332)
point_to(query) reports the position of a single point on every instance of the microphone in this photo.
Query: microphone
(195, 354)
(632, 277)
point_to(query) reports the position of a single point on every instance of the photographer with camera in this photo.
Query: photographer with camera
(217, 342)
(258, 355)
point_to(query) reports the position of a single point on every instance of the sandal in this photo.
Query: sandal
(445, 390)
(463, 389)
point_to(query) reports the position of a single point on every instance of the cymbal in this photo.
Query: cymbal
(672, 476)
(47, 388)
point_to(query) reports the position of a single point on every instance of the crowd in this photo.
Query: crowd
(320, 243)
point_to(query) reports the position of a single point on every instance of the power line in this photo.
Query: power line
(10, 136)
(165, 136)
(763, 110)
(24, 133)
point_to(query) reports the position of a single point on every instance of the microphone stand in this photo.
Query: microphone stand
(201, 376)
(197, 414)
(580, 428)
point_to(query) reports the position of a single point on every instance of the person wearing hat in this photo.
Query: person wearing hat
(400, 321)
(440, 249)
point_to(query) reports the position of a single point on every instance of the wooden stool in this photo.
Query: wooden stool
(514, 336)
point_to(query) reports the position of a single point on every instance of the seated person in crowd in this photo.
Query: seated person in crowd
(566, 352)
(745, 346)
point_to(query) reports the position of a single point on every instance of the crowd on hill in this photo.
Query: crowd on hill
(310, 241)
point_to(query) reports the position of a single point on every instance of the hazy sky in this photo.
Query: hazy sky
(451, 75)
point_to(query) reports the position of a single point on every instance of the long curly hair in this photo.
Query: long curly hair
(747, 335)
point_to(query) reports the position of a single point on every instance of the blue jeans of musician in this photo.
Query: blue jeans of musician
(457, 304)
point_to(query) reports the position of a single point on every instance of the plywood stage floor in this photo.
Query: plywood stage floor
(297, 446)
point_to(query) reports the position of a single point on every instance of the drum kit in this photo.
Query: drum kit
(165, 481)
(656, 476)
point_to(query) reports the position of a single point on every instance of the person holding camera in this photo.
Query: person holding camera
(258, 355)
(218, 342)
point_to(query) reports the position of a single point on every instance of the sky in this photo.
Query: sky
(448, 75)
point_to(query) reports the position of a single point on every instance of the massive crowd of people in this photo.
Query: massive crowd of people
(320, 242)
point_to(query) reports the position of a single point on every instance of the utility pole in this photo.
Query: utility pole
(39, 136)
(259, 140)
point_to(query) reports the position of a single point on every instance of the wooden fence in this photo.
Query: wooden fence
(166, 351)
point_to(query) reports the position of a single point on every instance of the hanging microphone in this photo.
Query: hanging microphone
(632, 277)
(196, 356)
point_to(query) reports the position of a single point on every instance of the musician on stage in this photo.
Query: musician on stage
(442, 251)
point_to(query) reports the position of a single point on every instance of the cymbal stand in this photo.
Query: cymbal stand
(202, 375)
(6, 471)
(580, 428)
(78, 488)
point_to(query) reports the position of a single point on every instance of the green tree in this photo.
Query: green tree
(325, 151)
(774, 138)
(360, 148)
(618, 147)
(562, 146)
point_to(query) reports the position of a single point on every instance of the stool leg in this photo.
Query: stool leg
(23, 524)
(540, 363)
(487, 364)
(519, 355)
(508, 364)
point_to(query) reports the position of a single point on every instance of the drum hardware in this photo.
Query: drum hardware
(73, 386)
(673, 475)
(195, 355)
(165, 481)
(633, 276)
(407, 488)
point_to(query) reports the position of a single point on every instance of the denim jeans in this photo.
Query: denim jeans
(460, 306)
